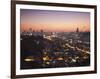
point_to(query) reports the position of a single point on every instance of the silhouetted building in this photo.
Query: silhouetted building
(77, 30)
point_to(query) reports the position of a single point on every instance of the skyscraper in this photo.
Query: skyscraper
(77, 30)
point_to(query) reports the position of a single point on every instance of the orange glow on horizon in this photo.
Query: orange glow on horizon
(55, 27)
(54, 21)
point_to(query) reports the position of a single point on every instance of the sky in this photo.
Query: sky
(54, 21)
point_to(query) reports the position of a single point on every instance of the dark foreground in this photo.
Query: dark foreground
(55, 50)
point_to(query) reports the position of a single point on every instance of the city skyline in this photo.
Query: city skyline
(54, 21)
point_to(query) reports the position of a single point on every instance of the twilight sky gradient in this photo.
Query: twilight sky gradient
(54, 21)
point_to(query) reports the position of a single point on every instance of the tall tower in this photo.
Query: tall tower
(77, 30)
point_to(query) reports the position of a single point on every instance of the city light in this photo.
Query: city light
(56, 49)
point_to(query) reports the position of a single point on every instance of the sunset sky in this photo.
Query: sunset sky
(54, 21)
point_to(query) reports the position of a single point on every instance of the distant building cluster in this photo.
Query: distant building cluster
(40, 49)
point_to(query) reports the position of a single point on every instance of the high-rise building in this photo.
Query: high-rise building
(77, 30)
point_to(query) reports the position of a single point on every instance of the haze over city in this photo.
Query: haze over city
(54, 21)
